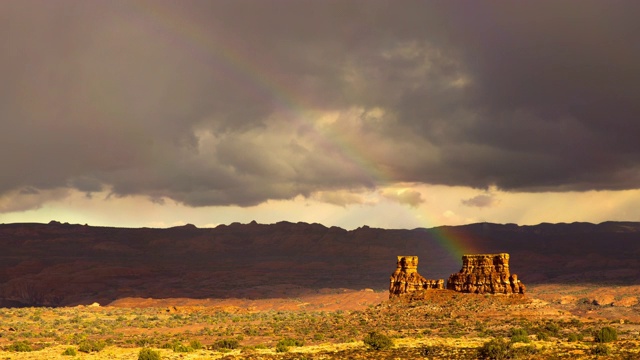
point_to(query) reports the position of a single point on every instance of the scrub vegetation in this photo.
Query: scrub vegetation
(444, 326)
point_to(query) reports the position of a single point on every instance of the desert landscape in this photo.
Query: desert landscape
(280, 298)
(306, 179)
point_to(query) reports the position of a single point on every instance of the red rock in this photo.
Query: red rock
(603, 299)
(485, 274)
(407, 280)
(627, 301)
(567, 299)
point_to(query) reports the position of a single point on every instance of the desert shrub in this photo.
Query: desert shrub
(584, 301)
(291, 342)
(226, 344)
(600, 349)
(517, 352)
(177, 346)
(181, 348)
(519, 335)
(281, 348)
(377, 341)
(430, 350)
(251, 331)
(495, 349)
(195, 344)
(20, 346)
(248, 350)
(542, 336)
(88, 346)
(148, 354)
(606, 334)
(552, 328)
(575, 337)
(70, 351)
(284, 344)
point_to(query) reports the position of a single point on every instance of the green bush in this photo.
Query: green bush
(519, 335)
(542, 336)
(177, 346)
(148, 354)
(226, 344)
(606, 334)
(291, 342)
(20, 346)
(196, 344)
(70, 351)
(575, 337)
(495, 349)
(181, 348)
(376, 341)
(281, 348)
(284, 344)
(600, 349)
(552, 328)
(88, 346)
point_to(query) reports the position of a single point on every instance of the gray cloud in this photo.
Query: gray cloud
(340, 198)
(215, 103)
(28, 199)
(29, 191)
(408, 197)
(482, 200)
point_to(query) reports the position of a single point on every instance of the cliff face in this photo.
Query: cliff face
(485, 274)
(406, 278)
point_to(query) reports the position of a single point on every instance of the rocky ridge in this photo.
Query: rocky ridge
(64, 264)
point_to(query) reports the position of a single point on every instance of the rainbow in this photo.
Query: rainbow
(262, 86)
(455, 242)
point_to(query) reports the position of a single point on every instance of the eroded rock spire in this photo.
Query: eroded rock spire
(406, 278)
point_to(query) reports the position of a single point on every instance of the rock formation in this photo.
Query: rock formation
(485, 274)
(406, 278)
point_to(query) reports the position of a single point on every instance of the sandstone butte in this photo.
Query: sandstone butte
(485, 274)
(407, 280)
(480, 274)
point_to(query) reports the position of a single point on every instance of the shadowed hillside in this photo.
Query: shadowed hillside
(61, 264)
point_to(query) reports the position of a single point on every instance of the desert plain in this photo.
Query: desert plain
(560, 322)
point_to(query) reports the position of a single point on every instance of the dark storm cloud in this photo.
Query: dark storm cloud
(206, 102)
(555, 92)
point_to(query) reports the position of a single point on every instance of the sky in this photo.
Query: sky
(346, 113)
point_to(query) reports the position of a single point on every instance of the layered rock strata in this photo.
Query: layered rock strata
(406, 278)
(485, 274)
